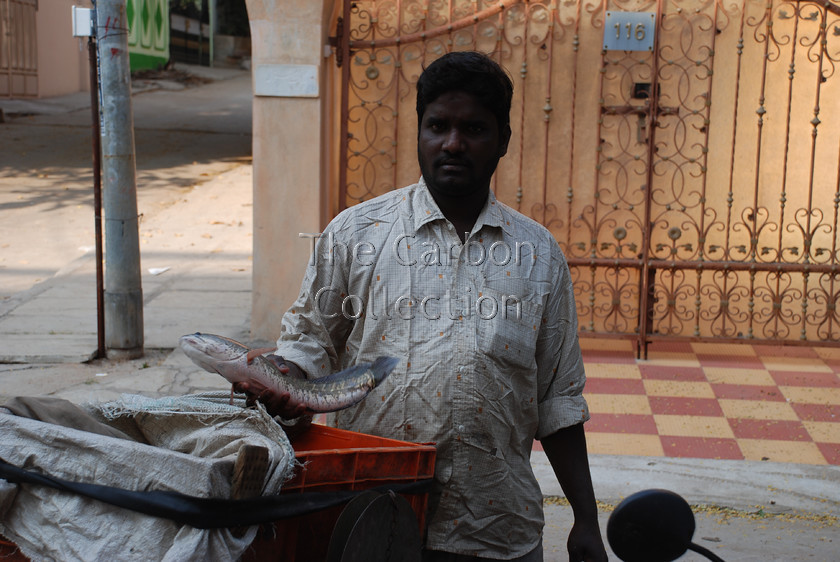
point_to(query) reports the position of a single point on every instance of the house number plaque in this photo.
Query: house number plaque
(629, 31)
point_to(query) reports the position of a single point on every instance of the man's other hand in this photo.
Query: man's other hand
(585, 543)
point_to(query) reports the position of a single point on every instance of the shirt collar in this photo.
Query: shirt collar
(426, 210)
(423, 206)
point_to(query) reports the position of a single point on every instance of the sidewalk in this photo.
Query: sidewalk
(196, 265)
(651, 420)
(194, 197)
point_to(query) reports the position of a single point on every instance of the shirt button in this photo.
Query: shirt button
(461, 428)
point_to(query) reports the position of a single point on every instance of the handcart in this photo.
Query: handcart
(375, 490)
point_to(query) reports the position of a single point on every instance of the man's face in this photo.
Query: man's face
(459, 145)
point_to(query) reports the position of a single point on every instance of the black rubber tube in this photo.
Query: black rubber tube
(205, 513)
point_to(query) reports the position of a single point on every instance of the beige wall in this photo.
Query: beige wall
(289, 163)
(62, 59)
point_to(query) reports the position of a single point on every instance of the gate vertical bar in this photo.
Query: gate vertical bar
(731, 175)
(7, 43)
(822, 40)
(344, 46)
(785, 167)
(831, 306)
(708, 124)
(760, 112)
(523, 73)
(594, 221)
(396, 81)
(34, 40)
(645, 283)
(547, 109)
(572, 169)
(498, 59)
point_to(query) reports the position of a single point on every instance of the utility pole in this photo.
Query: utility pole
(84, 25)
(123, 297)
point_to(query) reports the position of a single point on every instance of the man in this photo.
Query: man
(476, 300)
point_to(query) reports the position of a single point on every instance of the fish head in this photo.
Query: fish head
(211, 352)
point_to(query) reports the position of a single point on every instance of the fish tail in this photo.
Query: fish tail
(382, 367)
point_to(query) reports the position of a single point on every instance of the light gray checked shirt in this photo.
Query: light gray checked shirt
(487, 336)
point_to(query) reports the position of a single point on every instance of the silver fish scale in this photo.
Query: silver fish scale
(333, 396)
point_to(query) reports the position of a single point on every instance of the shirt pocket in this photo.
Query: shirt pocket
(507, 329)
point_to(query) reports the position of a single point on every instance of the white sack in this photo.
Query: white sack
(193, 445)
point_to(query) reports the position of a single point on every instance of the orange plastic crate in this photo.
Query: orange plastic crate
(336, 459)
(9, 551)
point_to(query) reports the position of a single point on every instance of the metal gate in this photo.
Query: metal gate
(18, 48)
(694, 186)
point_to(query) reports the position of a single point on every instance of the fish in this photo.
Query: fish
(238, 363)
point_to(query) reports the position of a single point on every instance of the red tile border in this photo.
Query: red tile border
(621, 423)
(748, 392)
(669, 347)
(672, 373)
(730, 361)
(794, 378)
(607, 356)
(831, 452)
(785, 351)
(778, 430)
(817, 412)
(598, 385)
(701, 447)
(680, 406)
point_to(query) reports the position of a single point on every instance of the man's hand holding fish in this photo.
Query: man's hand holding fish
(276, 404)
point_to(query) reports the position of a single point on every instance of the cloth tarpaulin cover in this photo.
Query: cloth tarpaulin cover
(184, 444)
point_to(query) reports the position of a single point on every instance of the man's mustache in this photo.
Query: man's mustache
(450, 161)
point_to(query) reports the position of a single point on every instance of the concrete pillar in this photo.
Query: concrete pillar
(287, 42)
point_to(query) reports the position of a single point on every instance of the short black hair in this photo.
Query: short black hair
(471, 72)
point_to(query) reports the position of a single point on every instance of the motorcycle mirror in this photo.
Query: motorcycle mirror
(653, 526)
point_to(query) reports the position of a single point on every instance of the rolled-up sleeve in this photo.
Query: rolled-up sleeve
(560, 373)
